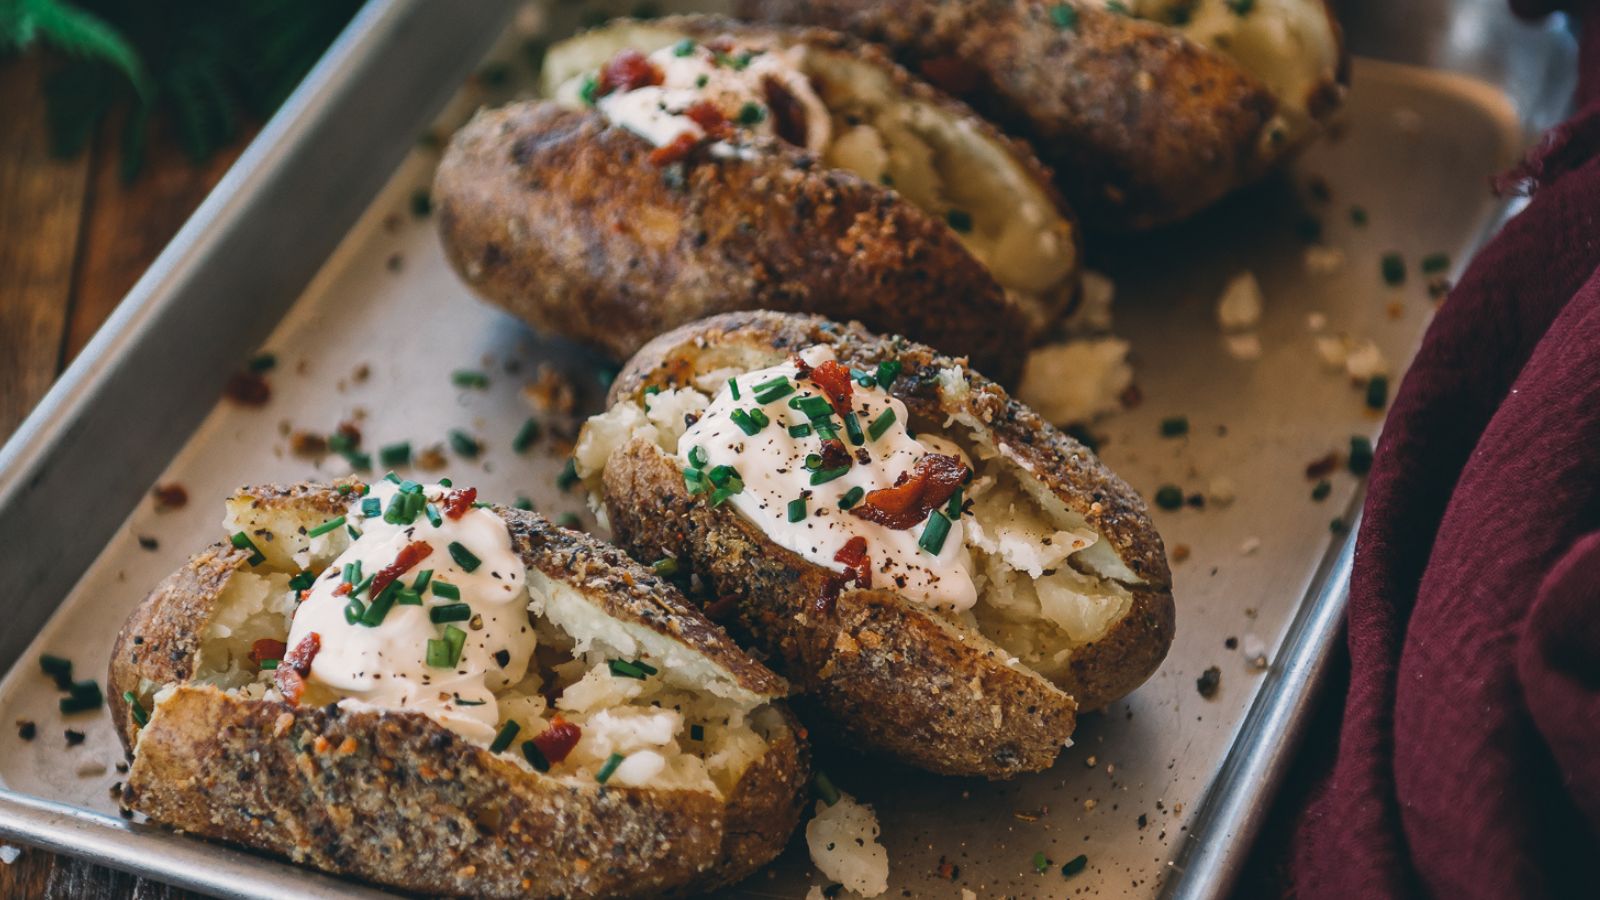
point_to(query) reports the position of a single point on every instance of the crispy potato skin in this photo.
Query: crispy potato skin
(1142, 126)
(396, 798)
(559, 217)
(893, 675)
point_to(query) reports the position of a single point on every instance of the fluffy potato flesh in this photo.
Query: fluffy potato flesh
(1291, 46)
(928, 151)
(1038, 602)
(687, 727)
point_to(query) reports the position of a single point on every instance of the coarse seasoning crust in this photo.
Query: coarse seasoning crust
(398, 799)
(889, 672)
(1141, 125)
(558, 216)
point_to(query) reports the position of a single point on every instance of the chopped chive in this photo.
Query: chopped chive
(797, 509)
(695, 481)
(933, 535)
(1358, 216)
(365, 583)
(1064, 17)
(769, 384)
(759, 418)
(410, 487)
(325, 527)
(354, 532)
(444, 590)
(450, 612)
(302, 581)
(1322, 490)
(625, 669)
(381, 604)
(446, 482)
(1434, 263)
(136, 709)
(814, 407)
(683, 47)
(568, 520)
(262, 362)
(697, 457)
(455, 639)
(434, 518)
(733, 387)
(823, 476)
(438, 654)
(1360, 460)
(666, 567)
(57, 668)
(1393, 267)
(354, 610)
(1175, 426)
(464, 443)
(742, 419)
(960, 220)
(1378, 391)
(504, 737)
(825, 430)
(1169, 497)
(752, 113)
(469, 378)
(721, 494)
(826, 792)
(776, 389)
(881, 424)
(799, 431)
(852, 497)
(391, 477)
(268, 665)
(526, 436)
(1241, 7)
(813, 462)
(1075, 865)
(351, 573)
(888, 371)
(1041, 863)
(590, 90)
(568, 476)
(524, 503)
(242, 541)
(82, 696)
(463, 557)
(721, 475)
(953, 508)
(608, 768)
(398, 454)
(408, 597)
(863, 378)
(535, 756)
(372, 507)
(361, 462)
(697, 733)
(395, 512)
(423, 577)
(852, 429)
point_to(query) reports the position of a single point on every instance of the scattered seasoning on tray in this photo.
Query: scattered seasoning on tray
(169, 496)
(1317, 187)
(247, 389)
(421, 204)
(1075, 865)
(58, 668)
(1438, 287)
(1378, 392)
(82, 696)
(1232, 643)
(1360, 459)
(1208, 682)
(1175, 426)
(262, 362)
(148, 543)
(1169, 497)
(551, 392)
(1143, 821)
(432, 459)
(1322, 467)
(1322, 490)
(1358, 216)
(1180, 552)
(305, 443)
(74, 738)
(1393, 267)
(960, 220)
(1308, 229)
(27, 730)
(1337, 526)
(1435, 263)
(1041, 863)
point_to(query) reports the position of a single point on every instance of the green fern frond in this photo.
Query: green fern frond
(81, 34)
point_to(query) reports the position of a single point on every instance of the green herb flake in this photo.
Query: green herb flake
(800, 431)
(242, 541)
(568, 476)
(136, 709)
(469, 378)
(464, 443)
(1435, 263)
(1041, 863)
(1322, 490)
(326, 527)
(1378, 392)
(609, 768)
(960, 220)
(463, 557)
(934, 533)
(666, 567)
(262, 362)
(823, 476)
(1393, 267)
(683, 48)
(1064, 17)
(527, 435)
(1241, 7)
(1358, 216)
(590, 92)
(888, 371)
(535, 756)
(444, 590)
(1075, 865)
(504, 737)
(852, 497)
(1169, 497)
(1360, 459)
(398, 454)
(826, 792)
(1175, 426)
(797, 509)
(450, 612)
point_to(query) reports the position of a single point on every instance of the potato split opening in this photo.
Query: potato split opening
(688, 725)
(931, 155)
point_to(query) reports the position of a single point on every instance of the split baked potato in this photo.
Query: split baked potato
(585, 732)
(1148, 110)
(948, 577)
(689, 166)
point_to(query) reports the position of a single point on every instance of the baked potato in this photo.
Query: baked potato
(951, 599)
(496, 708)
(689, 166)
(1148, 110)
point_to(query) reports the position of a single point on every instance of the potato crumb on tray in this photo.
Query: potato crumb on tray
(843, 839)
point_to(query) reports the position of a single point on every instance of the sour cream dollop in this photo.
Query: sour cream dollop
(386, 665)
(772, 466)
(742, 82)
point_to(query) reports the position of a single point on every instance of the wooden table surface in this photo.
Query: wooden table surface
(73, 240)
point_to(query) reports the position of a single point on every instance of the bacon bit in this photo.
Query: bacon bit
(929, 484)
(802, 369)
(247, 389)
(456, 503)
(947, 870)
(343, 588)
(409, 556)
(829, 598)
(305, 443)
(169, 496)
(676, 151)
(951, 74)
(551, 392)
(854, 557)
(267, 648)
(1131, 397)
(834, 454)
(709, 117)
(835, 382)
(296, 665)
(558, 740)
(788, 116)
(290, 685)
(1322, 468)
(627, 71)
(350, 430)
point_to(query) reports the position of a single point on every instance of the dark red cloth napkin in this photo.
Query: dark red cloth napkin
(1468, 757)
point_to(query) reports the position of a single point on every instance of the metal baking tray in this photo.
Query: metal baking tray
(310, 239)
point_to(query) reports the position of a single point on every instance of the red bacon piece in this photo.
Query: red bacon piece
(929, 484)
(558, 740)
(296, 665)
(677, 151)
(709, 117)
(410, 555)
(267, 648)
(854, 557)
(456, 503)
(627, 71)
(835, 382)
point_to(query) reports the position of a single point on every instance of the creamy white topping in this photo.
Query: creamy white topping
(772, 466)
(732, 80)
(386, 666)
